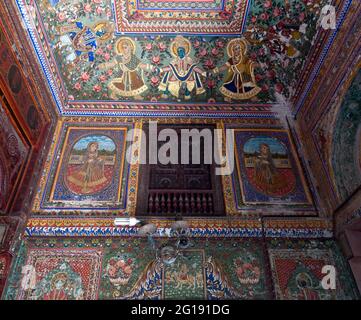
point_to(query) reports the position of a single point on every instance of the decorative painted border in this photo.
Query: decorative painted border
(218, 110)
(179, 113)
(39, 53)
(163, 28)
(316, 228)
(256, 228)
(322, 57)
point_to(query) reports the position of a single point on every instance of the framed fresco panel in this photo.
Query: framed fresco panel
(88, 169)
(268, 171)
(61, 274)
(299, 269)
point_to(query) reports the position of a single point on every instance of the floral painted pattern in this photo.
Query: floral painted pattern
(279, 36)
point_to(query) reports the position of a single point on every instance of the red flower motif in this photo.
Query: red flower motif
(99, 51)
(154, 80)
(196, 44)
(203, 52)
(97, 88)
(276, 12)
(209, 64)
(85, 76)
(215, 51)
(162, 46)
(61, 16)
(264, 16)
(268, 4)
(258, 77)
(270, 74)
(279, 87)
(99, 10)
(148, 46)
(156, 59)
(87, 8)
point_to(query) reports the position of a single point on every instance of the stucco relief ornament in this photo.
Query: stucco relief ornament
(240, 81)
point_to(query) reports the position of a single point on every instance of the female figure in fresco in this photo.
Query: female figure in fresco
(130, 82)
(182, 75)
(267, 176)
(240, 82)
(91, 175)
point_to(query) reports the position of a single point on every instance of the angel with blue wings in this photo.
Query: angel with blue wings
(83, 40)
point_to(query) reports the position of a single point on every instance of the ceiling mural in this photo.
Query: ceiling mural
(98, 56)
(177, 16)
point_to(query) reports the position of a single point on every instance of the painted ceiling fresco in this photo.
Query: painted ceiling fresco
(103, 55)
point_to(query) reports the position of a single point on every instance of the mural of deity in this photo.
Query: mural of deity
(303, 285)
(182, 76)
(240, 82)
(90, 165)
(130, 80)
(268, 166)
(80, 39)
(61, 283)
